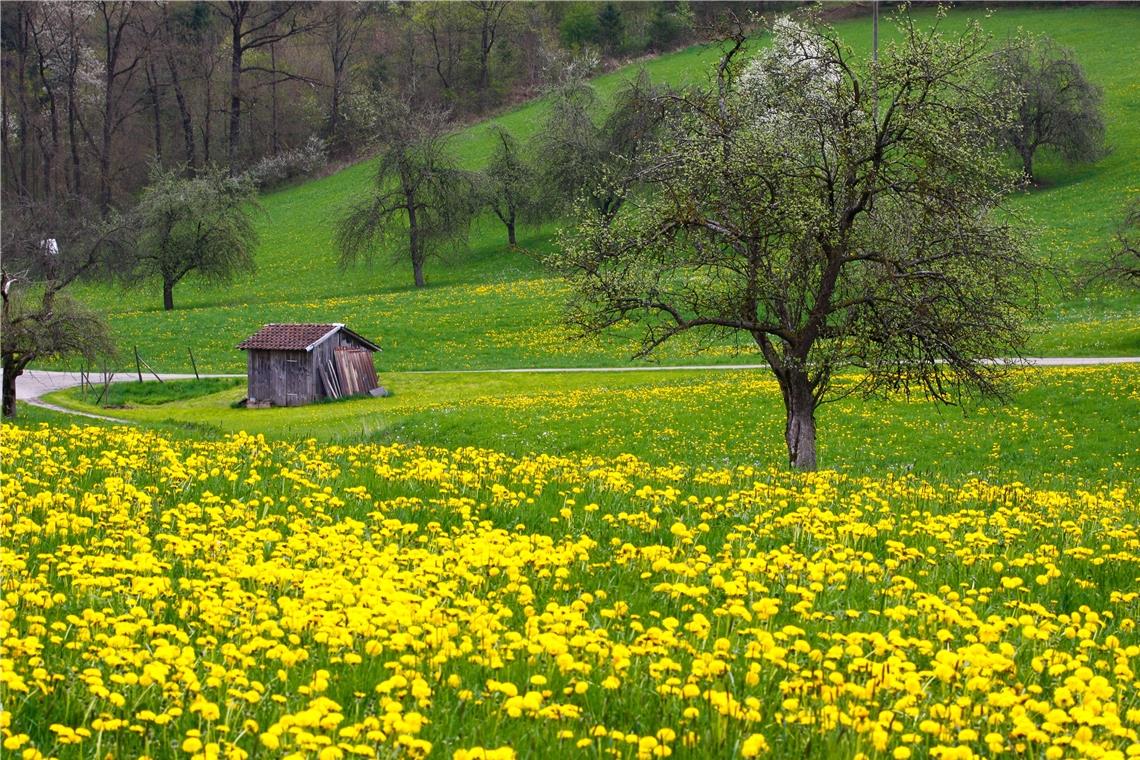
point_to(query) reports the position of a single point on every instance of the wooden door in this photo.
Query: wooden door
(295, 379)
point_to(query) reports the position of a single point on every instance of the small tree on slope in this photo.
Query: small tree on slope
(831, 228)
(200, 225)
(508, 186)
(420, 192)
(1123, 264)
(1057, 106)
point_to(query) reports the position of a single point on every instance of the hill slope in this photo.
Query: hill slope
(490, 307)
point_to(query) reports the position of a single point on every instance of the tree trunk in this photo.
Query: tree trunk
(334, 110)
(415, 244)
(166, 39)
(235, 97)
(207, 124)
(155, 109)
(484, 59)
(511, 233)
(799, 432)
(168, 295)
(273, 101)
(418, 271)
(49, 152)
(10, 375)
(22, 102)
(1027, 163)
(184, 116)
(105, 141)
(111, 50)
(73, 105)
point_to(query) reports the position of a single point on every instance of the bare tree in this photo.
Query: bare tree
(121, 59)
(16, 126)
(46, 38)
(1059, 108)
(256, 25)
(345, 22)
(183, 25)
(831, 228)
(47, 247)
(419, 191)
(490, 15)
(443, 25)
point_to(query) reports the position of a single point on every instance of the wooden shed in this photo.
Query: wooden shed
(290, 365)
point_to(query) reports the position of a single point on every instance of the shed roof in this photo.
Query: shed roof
(297, 337)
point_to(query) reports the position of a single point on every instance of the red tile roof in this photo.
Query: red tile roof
(287, 337)
(297, 337)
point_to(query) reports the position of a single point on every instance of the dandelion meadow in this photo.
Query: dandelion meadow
(249, 598)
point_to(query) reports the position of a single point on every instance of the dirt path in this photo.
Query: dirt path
(33, 384)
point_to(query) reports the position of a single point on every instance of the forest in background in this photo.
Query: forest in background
(96, 95)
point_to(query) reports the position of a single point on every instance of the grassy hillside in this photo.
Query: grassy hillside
(487, 306)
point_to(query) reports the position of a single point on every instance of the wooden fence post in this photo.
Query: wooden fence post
(107, 378)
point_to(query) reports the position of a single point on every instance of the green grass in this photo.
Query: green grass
(155, 393)
(28, 415)
(1062, 425)
(491, 307)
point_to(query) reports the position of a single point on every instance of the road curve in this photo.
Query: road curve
(34, 384)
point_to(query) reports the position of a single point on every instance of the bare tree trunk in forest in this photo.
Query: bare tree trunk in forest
(334, 111)
(5, 144)
(268, 23)
(410, 46)
(105, 166)
(73, 102)
(275, 134)
(22, 100)
(153, 88)
(239, 10)
(443, 79)
(116, 20)
(207, 125)
(344, 27)
(492, 12)
(49, 150)
(184, 116)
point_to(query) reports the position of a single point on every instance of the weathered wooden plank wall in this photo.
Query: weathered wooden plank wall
(291, 378)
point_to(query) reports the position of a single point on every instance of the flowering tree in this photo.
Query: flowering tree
(198, 225)
(836, 219)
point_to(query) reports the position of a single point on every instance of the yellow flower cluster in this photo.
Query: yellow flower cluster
(242, 598)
